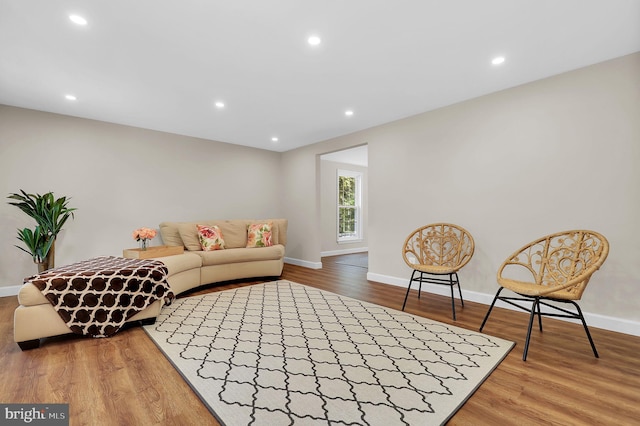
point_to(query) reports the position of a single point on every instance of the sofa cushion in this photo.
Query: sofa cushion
(210, 237)
(240, 255)
(181, 262)
(170, 235)
(279, 230)
(259, 235)
(189, 235)
(29, 295)
(235, 232)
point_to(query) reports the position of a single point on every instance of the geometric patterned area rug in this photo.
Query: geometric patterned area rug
(282, 353)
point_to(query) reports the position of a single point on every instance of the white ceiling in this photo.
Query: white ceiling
(161, 64)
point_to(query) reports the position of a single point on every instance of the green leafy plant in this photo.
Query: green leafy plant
(50, 214)
(37, 243)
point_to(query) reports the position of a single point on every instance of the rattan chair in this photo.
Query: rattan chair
(435, 250)
(555, 268)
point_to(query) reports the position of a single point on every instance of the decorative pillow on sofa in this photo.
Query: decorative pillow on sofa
(259, 235)
(210, 237)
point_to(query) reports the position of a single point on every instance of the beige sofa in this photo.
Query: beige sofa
(35, 318)
(195, 267)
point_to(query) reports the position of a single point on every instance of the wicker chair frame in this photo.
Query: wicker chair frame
(554, 268)
(434, 250)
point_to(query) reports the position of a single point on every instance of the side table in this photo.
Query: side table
(153, 251)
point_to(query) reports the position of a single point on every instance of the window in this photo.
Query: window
(349, 205)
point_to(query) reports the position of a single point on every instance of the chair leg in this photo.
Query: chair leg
(452, 283)
(408, 289)
(459, 289)
(486, 317)
(539, 317)
(453, 300)
(586, 329)
(534, 307)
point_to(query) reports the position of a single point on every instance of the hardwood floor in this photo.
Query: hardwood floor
(125, 379)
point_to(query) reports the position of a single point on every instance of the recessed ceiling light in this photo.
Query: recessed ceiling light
(348, 113)
(77, 19)
(219, 104)
(274, 139)
(497, 60)
(70, 97)
(314, 40)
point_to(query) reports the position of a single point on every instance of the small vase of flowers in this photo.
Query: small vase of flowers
(143, 235)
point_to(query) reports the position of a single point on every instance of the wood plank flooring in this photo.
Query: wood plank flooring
(125, 379)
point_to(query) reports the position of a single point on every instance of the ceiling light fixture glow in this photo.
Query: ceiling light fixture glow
(219, 104)
(77, 19)
(70, 97)
(274, 139)
(498, 60)
(348, 113)
(314, 40)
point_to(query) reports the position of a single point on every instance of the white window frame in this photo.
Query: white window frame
(357, 236)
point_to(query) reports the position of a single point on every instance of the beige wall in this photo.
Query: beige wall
(301, 189)
(329, 206)
(555, 154)
(121, 178)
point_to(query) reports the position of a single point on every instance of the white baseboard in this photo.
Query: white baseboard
(619, 325)
(344, 251)
(303, 263)
(9, 291)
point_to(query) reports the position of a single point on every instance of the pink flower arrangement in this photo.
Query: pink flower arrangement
(144, 234)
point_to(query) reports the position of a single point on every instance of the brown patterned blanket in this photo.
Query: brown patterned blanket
(96, 297)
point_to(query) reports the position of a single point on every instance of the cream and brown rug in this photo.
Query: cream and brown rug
(283, 353)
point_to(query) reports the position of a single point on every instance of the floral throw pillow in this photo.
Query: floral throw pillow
(259, 235)
(210, 237)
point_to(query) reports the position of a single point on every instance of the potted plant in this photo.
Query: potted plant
(50, 214)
